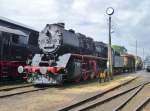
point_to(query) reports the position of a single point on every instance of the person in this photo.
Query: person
(101, 76)
(107, 77)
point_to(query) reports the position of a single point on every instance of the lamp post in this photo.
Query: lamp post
(109, 12)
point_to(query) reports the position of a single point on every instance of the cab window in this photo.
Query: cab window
(19, 39)
(23, 39)
(15, 39)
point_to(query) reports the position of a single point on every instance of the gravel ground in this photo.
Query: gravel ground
(147, 107)
(141, 96)
(55, 97)
(109, 106)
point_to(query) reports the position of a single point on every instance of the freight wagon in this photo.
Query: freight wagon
(129, 63)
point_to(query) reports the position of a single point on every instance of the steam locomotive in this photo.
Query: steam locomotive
(69, 56)
(17, 41)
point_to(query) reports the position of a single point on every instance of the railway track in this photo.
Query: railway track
(8, 92)
(22, 89)
(15, 87)
(113, 99)
(144, 103)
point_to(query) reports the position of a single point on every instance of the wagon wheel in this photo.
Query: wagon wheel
(85, 76)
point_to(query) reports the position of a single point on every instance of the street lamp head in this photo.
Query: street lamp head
(109, 10)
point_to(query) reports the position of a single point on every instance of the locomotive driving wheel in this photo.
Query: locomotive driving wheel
(92, 75)
(85, 76)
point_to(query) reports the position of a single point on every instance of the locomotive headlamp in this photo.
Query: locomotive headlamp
(20, 69)
(109, 10)
(43, 70)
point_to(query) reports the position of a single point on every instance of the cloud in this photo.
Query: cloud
(130, 21)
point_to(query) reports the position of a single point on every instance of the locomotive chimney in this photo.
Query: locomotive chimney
(60, 25)
(71, 30)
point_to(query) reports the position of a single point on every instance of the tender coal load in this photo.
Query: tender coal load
(100, 49)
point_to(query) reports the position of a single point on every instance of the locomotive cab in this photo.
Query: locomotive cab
(12, 44)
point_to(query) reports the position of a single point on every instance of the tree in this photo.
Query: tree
(119, 49)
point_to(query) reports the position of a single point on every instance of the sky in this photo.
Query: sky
(130, 22)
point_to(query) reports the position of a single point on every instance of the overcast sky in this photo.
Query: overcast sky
(130, 22)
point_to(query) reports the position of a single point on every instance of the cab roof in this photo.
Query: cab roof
(12, 22)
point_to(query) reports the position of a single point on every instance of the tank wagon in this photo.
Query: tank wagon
(66, 56)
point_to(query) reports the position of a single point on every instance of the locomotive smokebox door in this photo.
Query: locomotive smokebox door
(50, 39)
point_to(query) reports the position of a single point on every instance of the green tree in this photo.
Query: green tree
(119, 49)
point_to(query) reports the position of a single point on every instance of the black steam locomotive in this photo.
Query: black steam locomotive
(17, 41)
(69, 56)
(66, 56)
